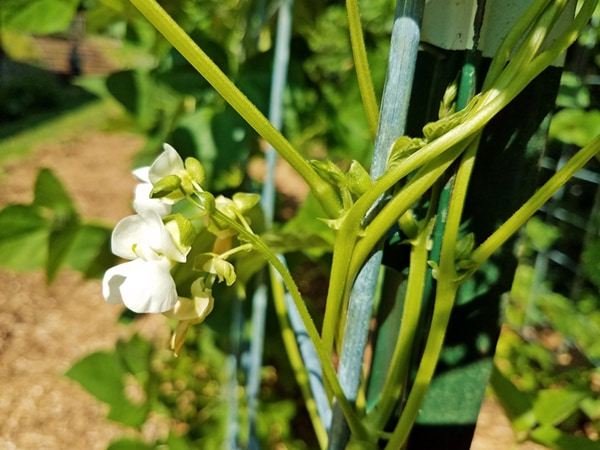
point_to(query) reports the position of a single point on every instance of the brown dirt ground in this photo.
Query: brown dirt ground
(45, 329)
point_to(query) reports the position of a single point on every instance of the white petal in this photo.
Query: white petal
(168, 163)
(143, 286)
(142, 202)
(144, 235)
(141, 174)
(127, 235)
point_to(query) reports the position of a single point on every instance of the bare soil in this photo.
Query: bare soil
(44, 329)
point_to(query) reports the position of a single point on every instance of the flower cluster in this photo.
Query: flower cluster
(154, 241)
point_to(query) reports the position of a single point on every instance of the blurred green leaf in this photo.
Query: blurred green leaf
(102, 374)
(137, 92)
(575, 126)
(62, 236)
(557, 440)
(129, 444)
(135, 354)
(38, 16)
(517, 405)
(50, 193)
(572, 92)
(91, 253)
(23, 238)
(552, 406)
(591, 407)
(541, 235)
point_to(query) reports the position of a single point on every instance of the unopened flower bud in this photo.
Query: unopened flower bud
(195, 170)
(165, 186)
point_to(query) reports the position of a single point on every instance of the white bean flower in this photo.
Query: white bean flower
(144, 284)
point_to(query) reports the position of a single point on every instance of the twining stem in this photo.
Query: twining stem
(363, 73)
(323, 191)
(488, 105)
(512, 39)
(447, 287)
(397, 375)
(531, 44)
(518, 219)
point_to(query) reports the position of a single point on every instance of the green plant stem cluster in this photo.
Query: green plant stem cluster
(451, 143)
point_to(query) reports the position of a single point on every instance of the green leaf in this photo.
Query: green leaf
(403, 147)
(135, 91)
(135, 355)
(23, 238)
(517, 405)
(552, 406)
(572, 92)
(62, 236)
(90, 251)
(575, 126)
(434, 130)
(50, 193)
(557, 440)
(102, 374)
(591, 407)
(37, 16)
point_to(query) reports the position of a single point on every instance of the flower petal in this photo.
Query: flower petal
(168, 163)
(142, 203)
(145, 236)
(143, 286)
(141, 174)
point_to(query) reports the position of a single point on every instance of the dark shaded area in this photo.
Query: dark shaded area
(31, 95)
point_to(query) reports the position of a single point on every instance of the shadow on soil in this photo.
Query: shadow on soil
(31, 95)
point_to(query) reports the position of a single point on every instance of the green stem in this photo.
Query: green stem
(363, 73)
(518, 219)
(512, 39)
(399, 365)
(447, 287)
(400, 203)
(487, 107)
(232, 95)
(531, 43)
(295, 358)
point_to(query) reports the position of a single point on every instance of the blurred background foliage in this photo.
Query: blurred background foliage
(548, 359)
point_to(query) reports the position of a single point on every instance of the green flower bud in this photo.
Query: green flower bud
(166, 186)
(207, 201)
(195, 170)
(243, 201)
(358, 178)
